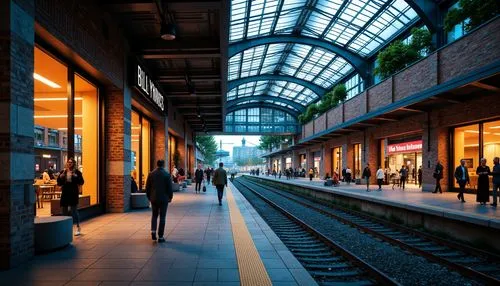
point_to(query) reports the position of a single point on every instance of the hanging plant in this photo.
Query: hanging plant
(339, 93)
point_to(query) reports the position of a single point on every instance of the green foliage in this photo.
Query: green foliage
(207, 146)
(268, 142)
(398, 54)
(475, 12)
(339, 94)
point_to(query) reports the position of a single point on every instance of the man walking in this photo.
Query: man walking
(438, 175)
(159, 193)
(220, 180)
(496, 180)
(462, 176)
(367, 174)
(198, 178)
(380, 177)
(403, 175)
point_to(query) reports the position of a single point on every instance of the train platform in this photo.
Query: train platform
(445, 204)
(206, 244)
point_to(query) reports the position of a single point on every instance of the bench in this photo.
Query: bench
(139, 201)
(53, 232)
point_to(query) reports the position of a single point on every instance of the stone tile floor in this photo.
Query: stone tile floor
(411, 195)
(116, 249)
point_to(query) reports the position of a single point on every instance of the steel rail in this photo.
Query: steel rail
(489, 280)
(376, 274)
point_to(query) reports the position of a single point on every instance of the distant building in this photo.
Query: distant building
(244, 152)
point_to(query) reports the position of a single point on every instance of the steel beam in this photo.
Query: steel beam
(180, 55)
(319, 90)
(428, 11)
(358, 62)
(233, 108)
(297, 106)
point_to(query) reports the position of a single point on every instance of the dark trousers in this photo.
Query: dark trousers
(197, 186)
(311, 177)
(158, 209)
(379, 181)
(220, 192)
(402, 182)
(419, 181)
(367, 182)
(74, 213)
(208, 180)
(438, 186)
(461, 190)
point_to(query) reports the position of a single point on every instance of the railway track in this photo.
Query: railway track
(474, 263)
(326, 261)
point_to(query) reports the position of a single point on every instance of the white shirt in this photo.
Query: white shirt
(380, 174)
(348, 171)
(174, 172)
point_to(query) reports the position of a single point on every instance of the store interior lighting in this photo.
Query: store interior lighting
(45, 81)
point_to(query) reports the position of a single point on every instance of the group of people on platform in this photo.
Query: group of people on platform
(290, 173)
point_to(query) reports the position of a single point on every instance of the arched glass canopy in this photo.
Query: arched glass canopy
(295, 50)
(260, 120)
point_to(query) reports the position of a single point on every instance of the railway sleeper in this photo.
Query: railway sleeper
(329, 267)
(336, 274)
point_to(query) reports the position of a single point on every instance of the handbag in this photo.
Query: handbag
(204, 187)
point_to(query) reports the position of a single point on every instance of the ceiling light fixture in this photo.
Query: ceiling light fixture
(45, 81)
(55, 98)
(167, 31)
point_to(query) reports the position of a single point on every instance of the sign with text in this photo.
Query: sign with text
(145, 85)
(412, 146)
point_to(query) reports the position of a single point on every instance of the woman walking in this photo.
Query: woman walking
(70, 179)
(483, 183)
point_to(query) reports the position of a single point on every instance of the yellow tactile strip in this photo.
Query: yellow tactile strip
(252, 270)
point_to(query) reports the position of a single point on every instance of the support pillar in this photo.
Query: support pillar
(160, 141)
(118, 151)
(17, 196)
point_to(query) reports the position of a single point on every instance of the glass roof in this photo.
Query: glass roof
(358, 26)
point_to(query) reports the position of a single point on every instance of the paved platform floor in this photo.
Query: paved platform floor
(412, 195)
(116, 249)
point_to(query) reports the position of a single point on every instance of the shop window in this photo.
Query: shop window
(466, 146)
(141, 156)
(172, 146)
(303, 161)
(86, 135)
(357, 161)
(288, 162)
(52, 96)
(253, 128)
(491, 142)
(316, 163)
(135, 138)
(337, 160)
(146, 152)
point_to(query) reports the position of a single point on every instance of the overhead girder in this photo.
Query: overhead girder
(359, 63)
(428, 11)
(319, 90)
(262, 98)
(233, 108)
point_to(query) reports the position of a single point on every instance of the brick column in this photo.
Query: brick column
(434, 148)
(118, 151)
(371, 153)
(160, 141)
(16, 132)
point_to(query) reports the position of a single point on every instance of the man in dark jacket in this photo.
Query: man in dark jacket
(367, 174)
(438, 175)
(159, 193)
(220, 180)
(198, 178)
(462, 176)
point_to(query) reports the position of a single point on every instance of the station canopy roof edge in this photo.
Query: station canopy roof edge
(288, 53)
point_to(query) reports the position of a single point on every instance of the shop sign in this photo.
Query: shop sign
(148, 88)
(412, 146)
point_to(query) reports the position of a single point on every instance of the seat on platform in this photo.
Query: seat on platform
(175, 187)
(139, 200)
(53, 232)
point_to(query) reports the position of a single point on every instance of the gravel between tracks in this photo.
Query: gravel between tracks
(404, 267)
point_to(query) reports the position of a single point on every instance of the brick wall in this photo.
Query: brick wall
(355, 106)
(334, 116)
(380, 95)
(320, 123)
(473, 51)
(16, 132)
(88, 31)
(160, 141)
(418, 77)
(118, 154)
